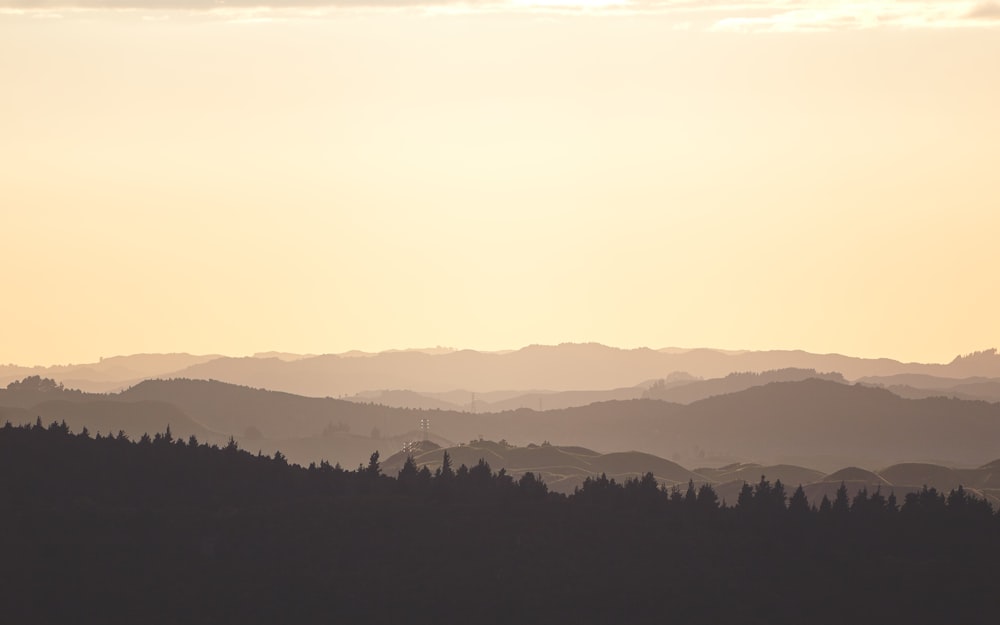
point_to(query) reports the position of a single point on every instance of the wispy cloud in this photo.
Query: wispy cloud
(985, 11)
(718, 15)
(819, 16)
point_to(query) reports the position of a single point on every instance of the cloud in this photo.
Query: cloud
(985, 11)
(187, 5)
(812, 15)
(718, 15)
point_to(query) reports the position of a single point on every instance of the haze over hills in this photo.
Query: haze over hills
(789, 416)
(814, 432)
(109, 374)
(534, 370)
(821, 424)
(566, 367)
(921, 386)
(679, 388)
(496, 401)
(694, 390)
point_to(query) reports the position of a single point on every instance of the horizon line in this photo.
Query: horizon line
(446, 350)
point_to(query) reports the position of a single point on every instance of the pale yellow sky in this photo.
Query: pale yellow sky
(493, 177)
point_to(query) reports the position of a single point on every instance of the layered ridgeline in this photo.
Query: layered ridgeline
(565, 469)
(166, 530)
(566, 367)
(799, 431)
(680, 387)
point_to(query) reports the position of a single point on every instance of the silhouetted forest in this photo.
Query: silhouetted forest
(164, 530)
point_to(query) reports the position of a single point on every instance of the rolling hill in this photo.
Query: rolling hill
(822, 421)
(565, 367)
(816, 423)
(695, 390)
(562, 468)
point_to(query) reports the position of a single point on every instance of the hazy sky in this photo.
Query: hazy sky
(320, 176)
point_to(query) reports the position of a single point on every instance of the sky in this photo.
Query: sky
(320, 176)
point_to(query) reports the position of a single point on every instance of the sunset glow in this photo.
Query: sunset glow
(324, 176)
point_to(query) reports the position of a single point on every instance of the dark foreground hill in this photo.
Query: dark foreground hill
(164, 531)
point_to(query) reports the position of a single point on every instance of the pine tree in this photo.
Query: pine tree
(708, 500)
(409, 470)
(691, 495)
(446, 471)
(798, 504)
(891, 505)
(374, 468)
(824, 506)
(841, 503)
(745, 499)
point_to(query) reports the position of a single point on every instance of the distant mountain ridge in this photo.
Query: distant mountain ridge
(564, 367)
(818, 423)
(109, 374)
(917, 386)
(695, 390)
(677, 388)
(825, 424)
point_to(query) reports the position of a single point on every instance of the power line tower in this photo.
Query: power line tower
(472, 406)
(425, 427)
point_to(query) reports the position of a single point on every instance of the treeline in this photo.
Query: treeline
(55, 465)
(102, 529)
(52, 462)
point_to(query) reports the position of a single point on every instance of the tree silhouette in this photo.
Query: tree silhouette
(798, 504)
(708, 500)
(445, 471)
(825, 507)
(374, 469)
(841, 503)
(531, 487)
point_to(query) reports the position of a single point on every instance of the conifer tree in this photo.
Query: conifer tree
(841, 503)
(798, 504)
(374, 469)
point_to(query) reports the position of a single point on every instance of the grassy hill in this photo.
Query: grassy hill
(562, 468)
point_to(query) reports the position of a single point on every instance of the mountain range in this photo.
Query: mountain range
(565, 367)
(310, 429)
(820, 423)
